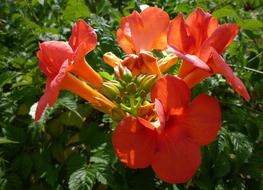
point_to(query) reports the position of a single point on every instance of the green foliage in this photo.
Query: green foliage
(70, 148)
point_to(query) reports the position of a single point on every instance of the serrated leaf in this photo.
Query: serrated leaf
(82, 179)
(70, 104)
(241, 146)
(101, 160)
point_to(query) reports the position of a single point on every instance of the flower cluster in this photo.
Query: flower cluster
(159, 125)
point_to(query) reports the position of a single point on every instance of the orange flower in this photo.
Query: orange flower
(171, 142)
(198, 40)
(138, 35)
(57, 58)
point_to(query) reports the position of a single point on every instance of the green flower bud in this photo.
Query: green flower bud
(110, 90)
(131, 88)
(139, 79)
(147, 82)
(127, 75)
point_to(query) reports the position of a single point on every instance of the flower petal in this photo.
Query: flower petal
(55, 84)
(82, 40)
(144, 31)
(165, 63)
(52, 55)
(148, 63)
(202, 120)
(178, 37)
(42, 103)
(195, 76)
(172, 92)
(124, 37)
(198, 22)
(220, 39)
(134, 144)
(192, 59)
(177, 158)
(221, 67)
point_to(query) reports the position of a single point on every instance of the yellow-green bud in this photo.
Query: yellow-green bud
(110, 90)
(147, 82)
(131, 87)
(127, 75)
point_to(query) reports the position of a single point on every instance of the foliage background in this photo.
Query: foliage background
(71, 147)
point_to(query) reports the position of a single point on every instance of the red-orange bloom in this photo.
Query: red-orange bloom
(57, 58)
(200, 39)
(140, 33)
(170, 143)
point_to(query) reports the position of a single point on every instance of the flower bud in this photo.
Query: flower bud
(147, 82)
(127, 75)
(131, 88)
(139, 79)
(110, 90)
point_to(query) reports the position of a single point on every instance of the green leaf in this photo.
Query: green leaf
(5, 141)
(75, 9)
(74, 162)
(101, 159)
(222, 166)
(241, 146)
(225, 11)
(70, 103)
(251, 24)
(82, 179)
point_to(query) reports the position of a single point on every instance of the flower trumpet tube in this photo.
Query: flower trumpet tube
(82, 40)
(61, 79)
(170, 139)
(57, 59)
(200, 40)
(96, 99)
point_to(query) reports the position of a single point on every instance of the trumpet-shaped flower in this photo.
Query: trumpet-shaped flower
(169, 142)
(200, 39)
(57, 59)
(138, 35)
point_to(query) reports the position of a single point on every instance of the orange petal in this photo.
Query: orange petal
(132, 63)
(178, 37)
(82, 40)
(52, 55)
(165, 63)
(212, 26)
(177, 158)
(44, 100)
(195, 77)
(172, 92)
(124, 37)
(198, 22)
(202, 120)
(144, 31)
(134, 144)
(148, 63)
(195, 62)
(220, 39)
(221, 67)
(53, 86)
